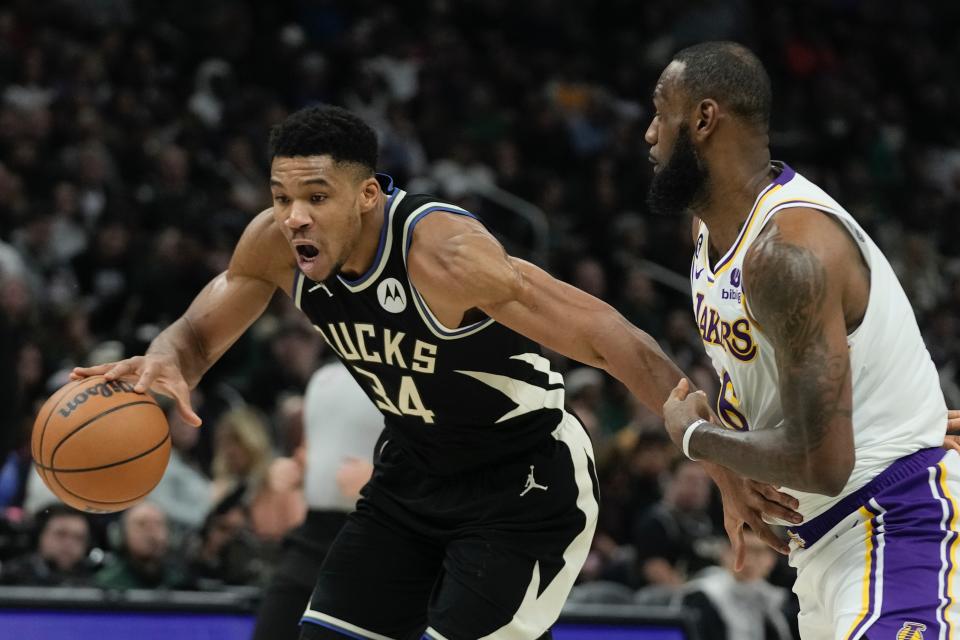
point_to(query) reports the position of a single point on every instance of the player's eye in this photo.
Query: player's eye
(281, 199)
(317, 198)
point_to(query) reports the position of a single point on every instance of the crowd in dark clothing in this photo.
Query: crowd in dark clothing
(133, 153)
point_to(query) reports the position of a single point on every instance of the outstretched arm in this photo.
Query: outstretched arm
(795, 278)
(221, 312)
(458, 266)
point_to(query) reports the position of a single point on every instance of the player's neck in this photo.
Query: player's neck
(363, 256)
(734, 190)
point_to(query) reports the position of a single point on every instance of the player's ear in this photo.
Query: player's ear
(369, 192)
(706, 117)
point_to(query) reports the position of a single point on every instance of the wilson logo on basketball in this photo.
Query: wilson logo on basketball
(104, 389)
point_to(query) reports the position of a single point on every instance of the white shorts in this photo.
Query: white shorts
(881, 563)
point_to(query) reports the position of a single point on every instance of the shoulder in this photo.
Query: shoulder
(445, 240)
(795, 241)
(454, 259)
(797, 262)
(440, 227)
(263, 252)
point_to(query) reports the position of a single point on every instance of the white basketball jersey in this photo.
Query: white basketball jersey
(898, 406)
(339, 422)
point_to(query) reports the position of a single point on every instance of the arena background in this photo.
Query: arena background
(133, 153)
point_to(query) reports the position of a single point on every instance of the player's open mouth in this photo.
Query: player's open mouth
(307, 251)
(306, 254)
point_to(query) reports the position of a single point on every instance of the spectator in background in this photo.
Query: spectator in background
(631, 469)
(739, 605)
(676, 537)
(143, 557)
(227, 553)
(242, 452)
(14, 469)
(584, 393)
(292, 357)
(16, 418)
(60, 559)
(918, 269)
(105, 273)
(184, 493)
(639, 302)
(176, 271)
(279, 504)
(648, 470)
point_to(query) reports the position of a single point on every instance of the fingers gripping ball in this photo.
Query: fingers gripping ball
(99, 445)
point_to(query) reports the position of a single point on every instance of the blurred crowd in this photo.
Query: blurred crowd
(133, 153)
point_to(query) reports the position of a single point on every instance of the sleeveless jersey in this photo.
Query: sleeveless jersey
(454, 399)
(898, 407)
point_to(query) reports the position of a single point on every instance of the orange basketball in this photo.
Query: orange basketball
(100, 446)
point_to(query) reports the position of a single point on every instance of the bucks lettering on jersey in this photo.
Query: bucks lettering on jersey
(898, 407)
(454, 398)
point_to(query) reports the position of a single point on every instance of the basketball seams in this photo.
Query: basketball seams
(38, 457)
(83, 425)
(111, 464)
(111, 503)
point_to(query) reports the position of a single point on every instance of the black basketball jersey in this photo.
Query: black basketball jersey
(453, 398)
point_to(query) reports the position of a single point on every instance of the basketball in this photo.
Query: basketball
(99, 445)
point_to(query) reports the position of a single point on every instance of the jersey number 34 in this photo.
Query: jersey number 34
(408, 404)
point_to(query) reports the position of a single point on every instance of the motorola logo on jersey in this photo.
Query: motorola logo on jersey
(391, 295)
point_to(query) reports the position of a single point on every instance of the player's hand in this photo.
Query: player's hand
(952, 439)
(744, 503)
(953, 422)
(352, 474)
(284, 475)
(154, 372)
(683, 408)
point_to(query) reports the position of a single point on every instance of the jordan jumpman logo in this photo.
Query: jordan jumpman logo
(531, 484)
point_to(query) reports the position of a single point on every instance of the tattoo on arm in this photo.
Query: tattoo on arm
(789, 290)
(787, 294)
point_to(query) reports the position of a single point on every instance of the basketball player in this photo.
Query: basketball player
(827, 387)
(483, 501)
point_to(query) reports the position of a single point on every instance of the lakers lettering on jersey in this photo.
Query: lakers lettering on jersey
(893, 415)
(454, 398)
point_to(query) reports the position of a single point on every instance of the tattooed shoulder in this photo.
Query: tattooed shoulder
(786, 285)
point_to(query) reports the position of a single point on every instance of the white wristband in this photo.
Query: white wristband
(689, 434)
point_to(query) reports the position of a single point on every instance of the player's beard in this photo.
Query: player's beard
(681, 184)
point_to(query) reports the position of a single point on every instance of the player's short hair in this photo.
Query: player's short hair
(732, 75)
(325, 130)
